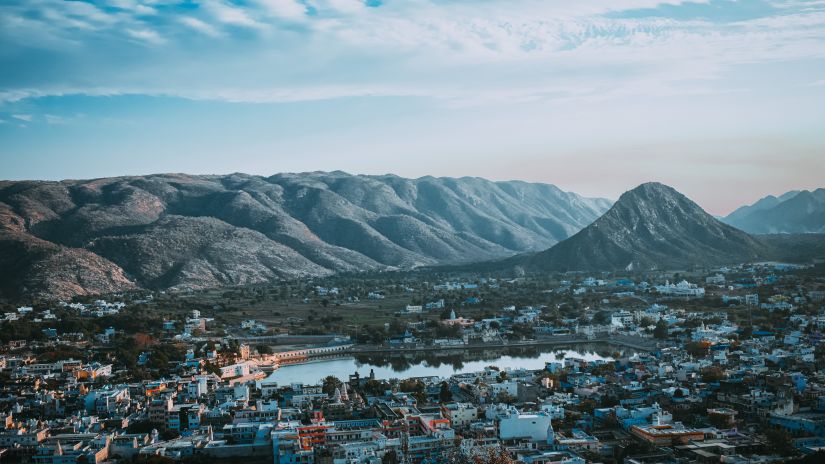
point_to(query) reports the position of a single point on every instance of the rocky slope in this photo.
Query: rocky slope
(792, 213)
(58, 239)
(650, 227)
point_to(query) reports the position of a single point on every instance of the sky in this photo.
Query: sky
(724, 100)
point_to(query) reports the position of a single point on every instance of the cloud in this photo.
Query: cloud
(23, 117)
(459, 52)
(232, 15)
(55, 119)
(289, 9)
(199, 26)
(146, 35)
(343, 6)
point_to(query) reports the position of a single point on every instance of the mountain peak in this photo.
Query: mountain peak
(652, 226)
(652, 190)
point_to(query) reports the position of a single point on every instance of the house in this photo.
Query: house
(460, 414)
(683, 288)
(514, 425)
(621, 319)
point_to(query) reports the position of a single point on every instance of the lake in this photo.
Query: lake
(441, 364)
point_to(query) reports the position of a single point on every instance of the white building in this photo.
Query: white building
(683, 288)
(460, 414)
(516, 425)
(621, 318)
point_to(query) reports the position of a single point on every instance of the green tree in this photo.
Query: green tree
(390, 457)
(264, 349)
(712, 374)
(660, 331)
(444, 394)
(330, 383)
(780, 441)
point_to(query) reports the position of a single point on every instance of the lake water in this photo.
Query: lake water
(442, 364)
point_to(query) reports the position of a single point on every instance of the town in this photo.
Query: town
(718, 365)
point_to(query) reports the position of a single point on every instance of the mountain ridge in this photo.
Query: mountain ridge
(187, 231)
(797, 211)
(654, 227)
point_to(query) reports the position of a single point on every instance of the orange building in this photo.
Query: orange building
(667, 434)
(313, 435)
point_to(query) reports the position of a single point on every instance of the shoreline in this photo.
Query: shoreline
(636, 343)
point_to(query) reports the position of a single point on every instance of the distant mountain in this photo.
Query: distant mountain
(792, 213)
(59, 239)
(764, 203)
(650, 227)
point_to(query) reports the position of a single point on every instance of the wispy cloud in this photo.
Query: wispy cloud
(199, 26)
(288, 50)
(229, 14)
(146, 35)
(288, 9)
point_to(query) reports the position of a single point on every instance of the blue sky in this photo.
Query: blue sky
(721, 99)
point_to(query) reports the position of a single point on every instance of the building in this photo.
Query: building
(460, 414)
(515, 425)
(662, 433)
(621, 319)
(683, 288)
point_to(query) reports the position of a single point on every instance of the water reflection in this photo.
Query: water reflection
(456, 359)
(440, 363)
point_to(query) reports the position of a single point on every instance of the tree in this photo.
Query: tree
(212, 369)
(712, 374)
(142, 340)
(411, 385)
(375, 387)
(719, 421)
(330, 383)
(494, 456)
(780, 441)
(264, 349)
(697, 349)
(390, 457)
(445, 395)
(660, 331)
(420, 397)
(504, 397)
(481, 456)
(815, 458)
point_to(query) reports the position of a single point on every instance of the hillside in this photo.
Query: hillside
(59, 239)
(795, 212)
(650, 227)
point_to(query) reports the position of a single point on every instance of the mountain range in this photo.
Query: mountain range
(794, 212)
(654, 227)
(59, 239)
(176, 231)
(650, 227)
